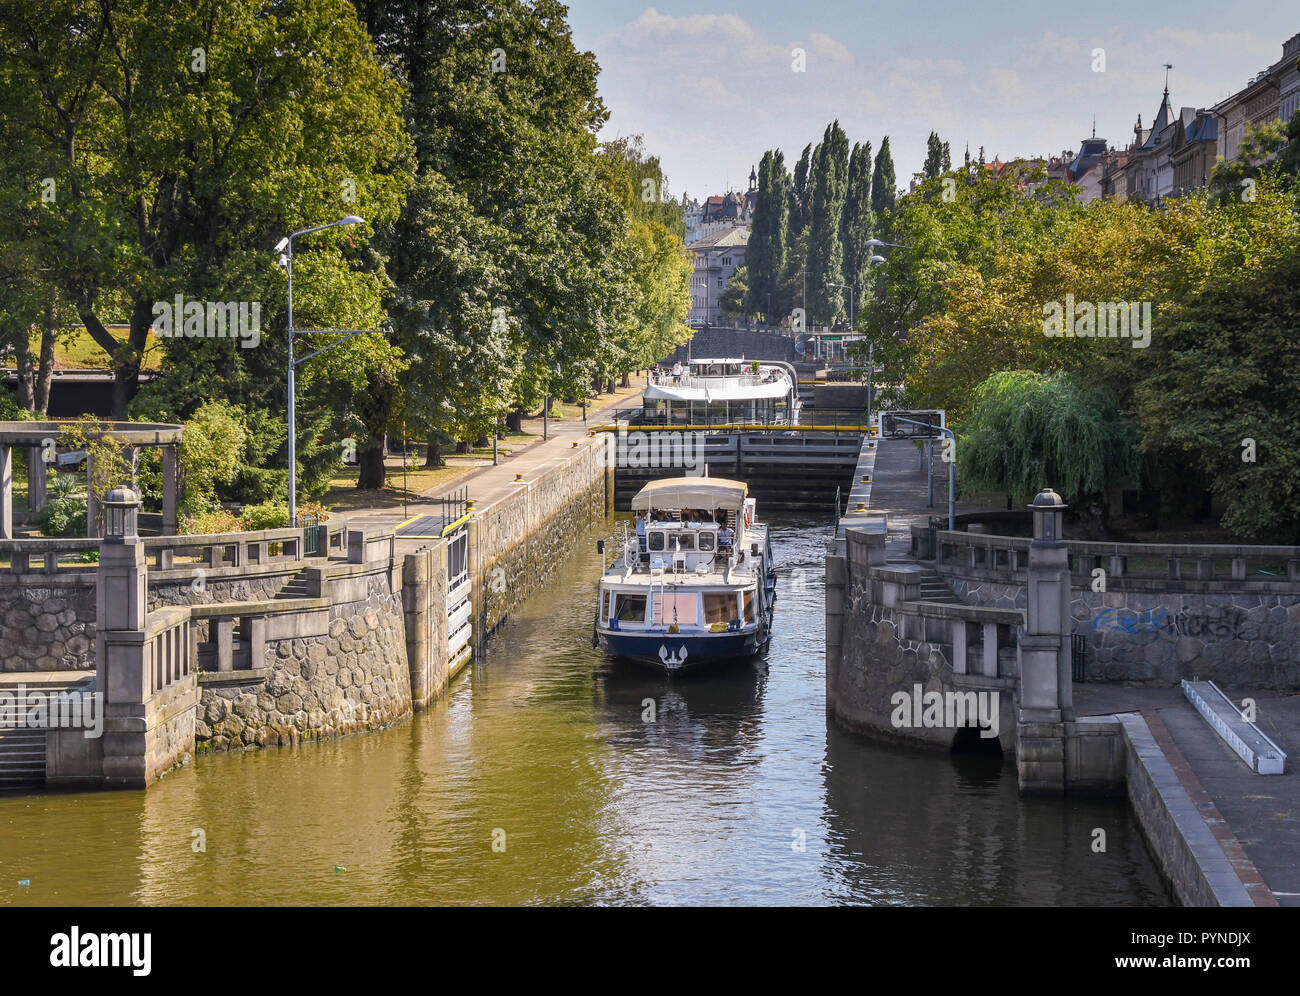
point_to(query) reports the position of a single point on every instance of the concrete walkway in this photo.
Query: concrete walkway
(1257, 814)
(899, 488)
(490, 483)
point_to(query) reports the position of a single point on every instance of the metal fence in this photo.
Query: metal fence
(1078, 657)
(453, 506)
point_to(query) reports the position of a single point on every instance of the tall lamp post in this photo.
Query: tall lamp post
(852, 324)
(876, 260)
(285, 249)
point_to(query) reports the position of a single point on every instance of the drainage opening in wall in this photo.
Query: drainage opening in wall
(967, 740)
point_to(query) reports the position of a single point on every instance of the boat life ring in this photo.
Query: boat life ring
(747, 518)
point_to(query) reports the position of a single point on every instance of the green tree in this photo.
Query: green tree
(857, 222)
(934, 156)
(765, 254)
(883, 182)
(1223, 396)
(732, 301)
(829, 183)
(800, 193)
(179, 141)
(1028, 431)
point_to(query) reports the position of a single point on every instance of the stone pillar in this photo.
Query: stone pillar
(1046, 697)
(169, 490)
(6, 492)
(150, 695)
(36, 474)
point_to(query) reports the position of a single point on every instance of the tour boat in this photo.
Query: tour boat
(698, 587)
(722, 392)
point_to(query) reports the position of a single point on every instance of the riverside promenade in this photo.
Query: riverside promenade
(491, 483)
(1242, 829)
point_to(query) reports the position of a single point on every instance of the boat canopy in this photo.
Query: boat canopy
(692, 492)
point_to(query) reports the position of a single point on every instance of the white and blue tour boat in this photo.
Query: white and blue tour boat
(721, 392)
(694, 584)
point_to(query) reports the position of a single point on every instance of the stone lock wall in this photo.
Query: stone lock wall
(875, 660)
(521, 540)
(47, 622)
(352, 677)
(1160, 638)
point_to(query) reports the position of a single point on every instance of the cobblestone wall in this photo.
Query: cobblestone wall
(353, 678)
(47, 623)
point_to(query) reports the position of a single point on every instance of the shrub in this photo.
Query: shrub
(267, 515)
(64, 513)
(207, 523)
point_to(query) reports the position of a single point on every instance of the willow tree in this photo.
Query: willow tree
(1030, 430)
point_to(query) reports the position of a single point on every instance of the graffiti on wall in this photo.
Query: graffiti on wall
(1161, 624)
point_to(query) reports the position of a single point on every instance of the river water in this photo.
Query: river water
(538, 779)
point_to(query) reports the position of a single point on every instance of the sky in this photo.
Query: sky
(710, 86)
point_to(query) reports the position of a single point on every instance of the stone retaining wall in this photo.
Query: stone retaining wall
(1161, 638)
(47, 622)
(354, 677)
(875, 659)
(520, 541)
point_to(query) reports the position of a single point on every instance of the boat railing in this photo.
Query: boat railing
(747, 379)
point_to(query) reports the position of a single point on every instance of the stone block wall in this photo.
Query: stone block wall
(353, 678)
(47, 622)
(521, 540)
(875, 660)
(1162, 637)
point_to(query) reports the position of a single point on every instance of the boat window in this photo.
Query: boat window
(684, 540)
(749, 606)
(629, 608)
(675, 607)
(706, 540)
(656, 540)
(719, 607)
(604, 606)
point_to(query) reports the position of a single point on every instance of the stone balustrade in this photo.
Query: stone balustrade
(1208, 567)
(238, 632)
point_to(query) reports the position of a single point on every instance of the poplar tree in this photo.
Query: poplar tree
(858, 222)
(766, 253)
(828, 188)
(933, 156)
(799, 193)
(884, 181)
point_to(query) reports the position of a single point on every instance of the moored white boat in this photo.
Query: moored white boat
(722, 391)
(698, 587)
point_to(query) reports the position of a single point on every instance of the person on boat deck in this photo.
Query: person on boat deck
(725, 537)
(640, 530)
(677, 369)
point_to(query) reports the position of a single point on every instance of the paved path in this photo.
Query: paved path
(490, 483)
(1262, 812)
(899, 490)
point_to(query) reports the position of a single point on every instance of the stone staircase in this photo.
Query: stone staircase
(295, 587)
(935, 589)
(22, 758)
(22, 750)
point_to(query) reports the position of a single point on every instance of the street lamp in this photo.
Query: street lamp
(285, 248)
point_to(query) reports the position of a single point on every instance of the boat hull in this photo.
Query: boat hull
(676, 652)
